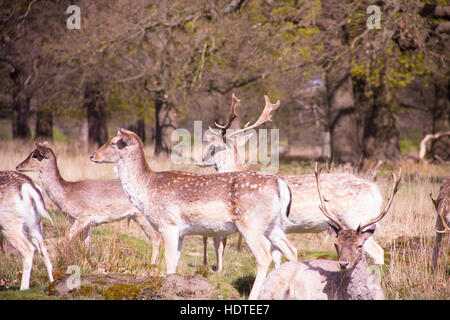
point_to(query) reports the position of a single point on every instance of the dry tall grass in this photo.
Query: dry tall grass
(406, 233)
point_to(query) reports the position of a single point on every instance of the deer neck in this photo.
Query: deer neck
(228, 161)
(134, 174)
(53, 183)
(359, 283)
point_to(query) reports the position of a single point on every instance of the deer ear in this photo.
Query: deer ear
(42, 149)
(127, 136)
(367, 232)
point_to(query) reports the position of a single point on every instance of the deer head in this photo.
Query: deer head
(125, 143)
(222, 151)
(349, 243)
(38, 160)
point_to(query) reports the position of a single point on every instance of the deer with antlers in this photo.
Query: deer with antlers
(180, 203)
(442, 206)
(348, 279)
(352, 199)
(225, 158)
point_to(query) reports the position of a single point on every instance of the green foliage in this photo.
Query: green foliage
(409, 146)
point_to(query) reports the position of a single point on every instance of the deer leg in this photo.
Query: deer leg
(437, 243)
(87, 235)
(205, 254)
(239, 244)
(18, 240)
(276, 256)
(152, 234)
(82, 228)
(39, 244)
(259, 247)
(279, 240)
(374, 250)
(172, 244)
(219, 246)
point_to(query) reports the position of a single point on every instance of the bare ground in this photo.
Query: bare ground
(124, 287)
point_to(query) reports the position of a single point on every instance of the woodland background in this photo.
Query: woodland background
(347, 92)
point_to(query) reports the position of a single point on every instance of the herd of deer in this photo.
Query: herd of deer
(169, 205)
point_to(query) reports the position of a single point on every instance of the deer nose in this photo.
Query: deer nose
(343, 265)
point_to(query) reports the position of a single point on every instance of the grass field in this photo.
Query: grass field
(406, 234)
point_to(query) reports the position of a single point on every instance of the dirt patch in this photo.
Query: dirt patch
(129, 287)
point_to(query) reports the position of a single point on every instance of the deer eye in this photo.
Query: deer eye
(37, 155)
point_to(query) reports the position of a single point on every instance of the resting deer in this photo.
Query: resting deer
(88, 202)
(353, 200)
(180, 203)
(348, 279)
(442, 206)
(21, 210)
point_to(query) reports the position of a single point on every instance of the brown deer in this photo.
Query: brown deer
(21, 210)
(180, 203)
(442, 206)
(88, 202)
(348, 279)
(352, 199)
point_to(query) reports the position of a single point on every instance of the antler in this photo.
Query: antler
(264, 117)
(233, 115)
(440, 215)
(395, 184)
(323, 206)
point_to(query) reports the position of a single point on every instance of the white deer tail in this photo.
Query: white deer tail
(277, 236)
(28, 191)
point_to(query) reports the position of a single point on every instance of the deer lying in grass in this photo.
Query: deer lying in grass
(353, 200)
(21, 210)
(348, 279)
(442, 206)
(180, 203)
(88, 202)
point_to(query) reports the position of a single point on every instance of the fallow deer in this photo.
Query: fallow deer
(222, 163)
(442, 206)
(180, 203)
(21, 210)
(348, 279)
(88, 202)
(352, 199)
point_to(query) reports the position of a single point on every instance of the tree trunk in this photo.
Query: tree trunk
(159, 105)
(21, 113)
(95, 109)
(345, 138)
(381, 134)
(440, 148)
(139, 128)
(44, 125)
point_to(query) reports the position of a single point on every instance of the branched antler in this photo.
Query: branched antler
(395, 184)
(264, 117)
(233, 115)
(323, 206)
